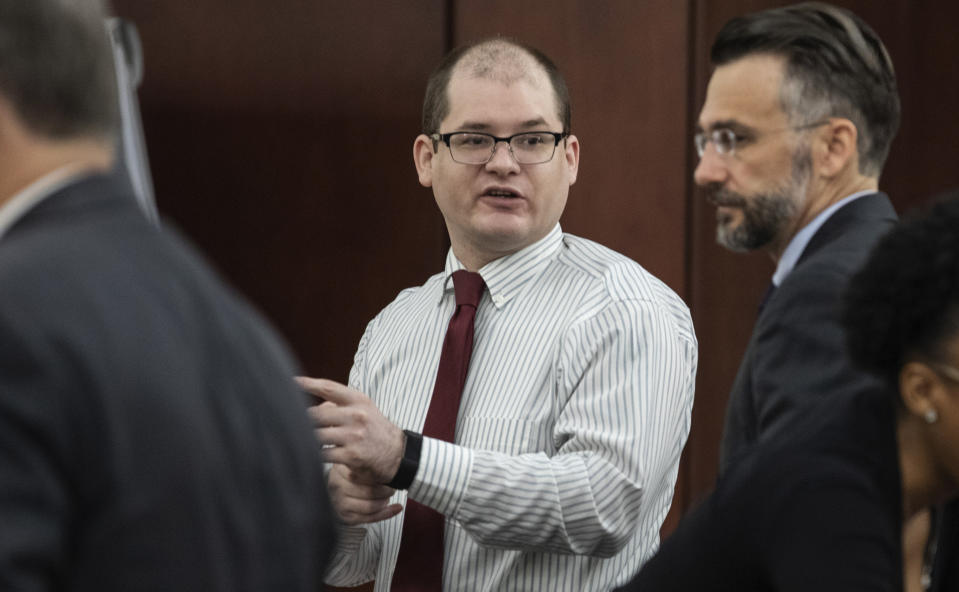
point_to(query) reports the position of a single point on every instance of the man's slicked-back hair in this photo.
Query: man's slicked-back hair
(836, 66)
(436, 105)
(904, 302)
(56, 67)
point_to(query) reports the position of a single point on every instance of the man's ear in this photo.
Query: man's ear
(571, 153)
(837, 148)
(423, 159)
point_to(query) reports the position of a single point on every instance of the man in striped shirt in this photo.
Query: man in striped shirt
(577, 401)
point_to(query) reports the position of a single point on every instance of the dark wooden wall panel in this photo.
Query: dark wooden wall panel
(280, 136)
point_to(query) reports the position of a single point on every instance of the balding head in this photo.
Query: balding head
(500, 59)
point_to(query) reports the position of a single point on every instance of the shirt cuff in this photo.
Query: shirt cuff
(443, 476)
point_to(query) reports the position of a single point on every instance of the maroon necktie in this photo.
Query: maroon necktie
(419, 566)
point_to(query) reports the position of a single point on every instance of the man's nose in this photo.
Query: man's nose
(711, 167)
(502, 159)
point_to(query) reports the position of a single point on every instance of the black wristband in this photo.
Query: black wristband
(410, 462)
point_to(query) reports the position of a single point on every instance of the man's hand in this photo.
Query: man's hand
(354, 432)
(357, 503)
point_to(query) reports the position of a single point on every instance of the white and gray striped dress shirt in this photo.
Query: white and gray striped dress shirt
(574, 414)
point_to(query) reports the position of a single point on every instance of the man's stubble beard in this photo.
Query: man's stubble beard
(767, 215)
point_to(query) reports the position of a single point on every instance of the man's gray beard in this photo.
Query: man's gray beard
(764, 218)
(766, 215)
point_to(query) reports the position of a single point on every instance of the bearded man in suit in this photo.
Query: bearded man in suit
(799, 115)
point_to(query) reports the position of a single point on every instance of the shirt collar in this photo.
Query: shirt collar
(30, 196)
(798, 243)
(506, 276)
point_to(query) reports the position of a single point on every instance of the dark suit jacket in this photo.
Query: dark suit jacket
(151, 438)
(818, 509)
(797, 353)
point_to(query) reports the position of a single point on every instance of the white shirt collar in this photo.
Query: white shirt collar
(505, 277)
(30, 196)
(799, 242)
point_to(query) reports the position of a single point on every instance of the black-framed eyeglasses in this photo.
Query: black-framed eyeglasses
(478, 148)
(725, 139)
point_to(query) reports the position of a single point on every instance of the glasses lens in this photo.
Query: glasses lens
(699, 140)
(471, 148)
(533, 148)
(725, 141)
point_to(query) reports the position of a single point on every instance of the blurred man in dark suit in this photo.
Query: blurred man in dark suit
(151, 437)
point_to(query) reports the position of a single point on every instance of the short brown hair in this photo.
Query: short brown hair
(56, 66)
